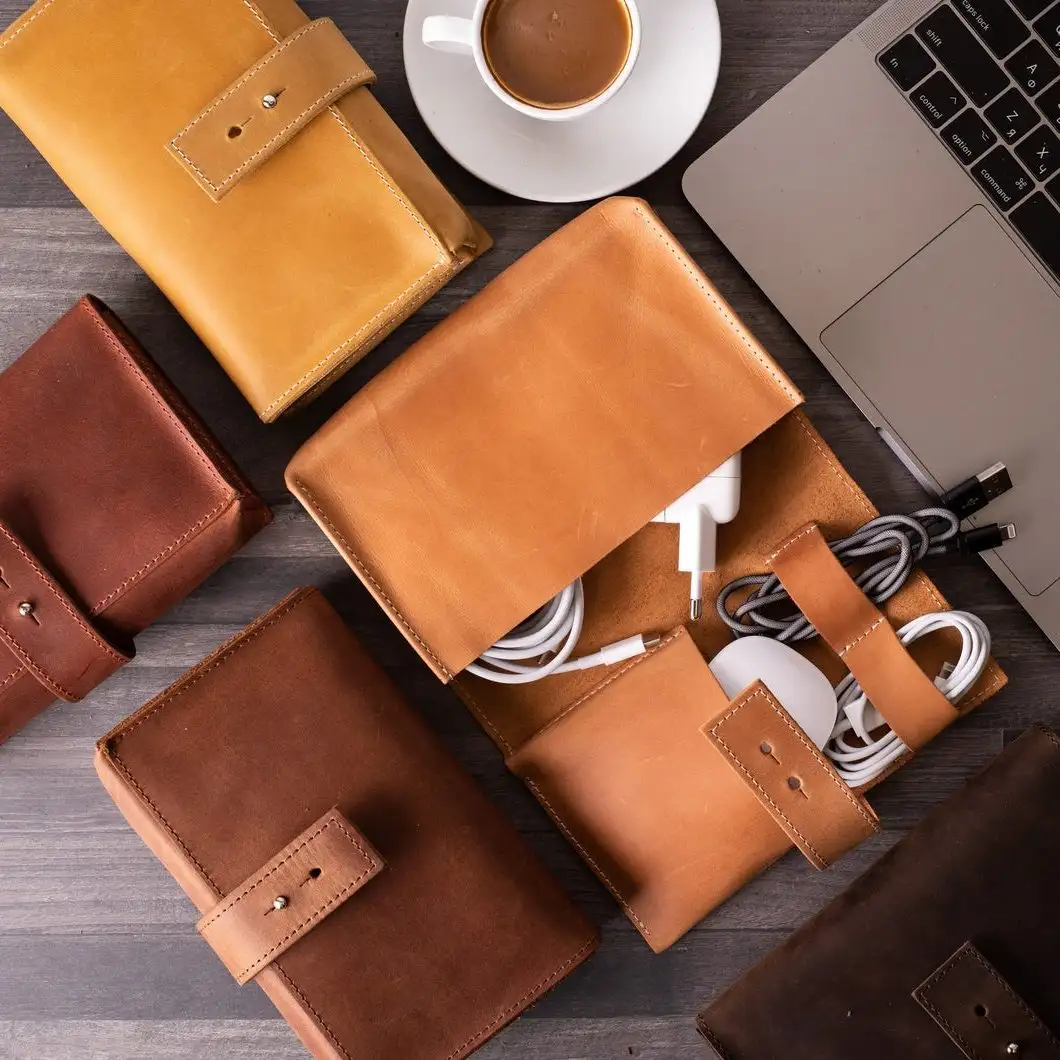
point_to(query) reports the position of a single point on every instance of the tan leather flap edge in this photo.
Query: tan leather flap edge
(591, 384)
(862, 637)
(790, 777)
(45, 630)
(269, 912)
(273, 101)
(981, 1013)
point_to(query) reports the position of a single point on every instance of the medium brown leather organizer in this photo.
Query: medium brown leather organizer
(338, 854)
(946, 949)
(591, 384)
(115, 503)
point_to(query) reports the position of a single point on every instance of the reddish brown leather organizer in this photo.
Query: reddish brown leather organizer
(337, 852)
(115, 502)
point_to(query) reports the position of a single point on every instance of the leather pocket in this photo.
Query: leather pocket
(673, 821)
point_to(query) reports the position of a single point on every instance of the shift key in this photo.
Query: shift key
(968, 62)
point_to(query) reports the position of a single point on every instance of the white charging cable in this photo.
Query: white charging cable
(860, 757)
(544, 643)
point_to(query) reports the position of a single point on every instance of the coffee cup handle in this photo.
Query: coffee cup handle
(446, 33)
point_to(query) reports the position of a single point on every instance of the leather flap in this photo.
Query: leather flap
(269, 912)
(45, 630)
(981, 1013)
(855, 629)
(253, 118)
(790, 777)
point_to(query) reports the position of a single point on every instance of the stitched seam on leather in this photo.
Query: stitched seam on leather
(25, 25)
(804, 532)
(47, 582)
(352, 81)
(734, 326)
(966, 1046)
(257, 882)
(480, 714)
(589, 860)
(712, 1040)
(364, 572)
(529, 996)
(50, 683)
(13, 676)
(329, 1033)
(814, 753)
(854, 643)
(443, 258)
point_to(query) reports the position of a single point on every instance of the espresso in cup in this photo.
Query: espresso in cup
(556, 53)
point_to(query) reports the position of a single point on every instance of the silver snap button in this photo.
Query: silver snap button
(269, 101)
(25, 609)
(280, 902)
(1012, 1049)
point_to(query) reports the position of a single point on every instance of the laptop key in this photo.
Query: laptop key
(1031, 8)
(968, 137)
(1040, 153)
(1049, 104)
(1048, 27)
(1003, 178)
(1038, 221)
(938, 99)
(999, 27)
(1032, 68)
(952, 43)
(907, 63)
(1013, 115)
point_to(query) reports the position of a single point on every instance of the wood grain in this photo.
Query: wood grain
(98, 958)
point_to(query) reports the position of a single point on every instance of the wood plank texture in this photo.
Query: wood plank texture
(98, 957)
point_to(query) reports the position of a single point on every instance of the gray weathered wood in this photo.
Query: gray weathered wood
(98, 957)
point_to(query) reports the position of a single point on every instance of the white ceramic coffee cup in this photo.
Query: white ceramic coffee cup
(463, 36)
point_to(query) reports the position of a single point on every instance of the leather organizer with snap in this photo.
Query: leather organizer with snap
(591, 384)
(236, 151)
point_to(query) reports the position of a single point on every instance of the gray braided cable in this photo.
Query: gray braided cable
(895, 544)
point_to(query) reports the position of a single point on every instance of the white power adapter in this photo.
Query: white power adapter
(714, 500)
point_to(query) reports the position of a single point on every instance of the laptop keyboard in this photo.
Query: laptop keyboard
(985, 75)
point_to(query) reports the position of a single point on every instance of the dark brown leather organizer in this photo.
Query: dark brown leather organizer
(948, 948)
(115, 503)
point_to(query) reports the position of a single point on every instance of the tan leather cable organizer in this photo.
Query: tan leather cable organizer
(586, 388)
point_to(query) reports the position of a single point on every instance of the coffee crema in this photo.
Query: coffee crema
(556, 53)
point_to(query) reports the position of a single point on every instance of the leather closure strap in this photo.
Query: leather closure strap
(45, 630)
(271, 103)
(285, 899)
(862, 637)
(981, 1013)
(790, 777)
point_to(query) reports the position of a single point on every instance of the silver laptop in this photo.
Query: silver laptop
(899, 202)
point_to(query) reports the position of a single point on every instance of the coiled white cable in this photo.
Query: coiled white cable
(858, 756)
(543, 644)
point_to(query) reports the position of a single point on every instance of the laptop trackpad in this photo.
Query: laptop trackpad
(959, 349)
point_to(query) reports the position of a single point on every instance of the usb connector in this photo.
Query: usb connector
(981, 539)
(974, 494)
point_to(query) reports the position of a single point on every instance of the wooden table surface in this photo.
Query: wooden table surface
(98, 956)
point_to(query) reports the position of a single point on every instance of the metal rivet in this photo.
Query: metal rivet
(280, 902)
(25, 609)
(269, 101)
(1012, 1049)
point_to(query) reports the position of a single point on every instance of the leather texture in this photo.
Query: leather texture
(607, 376)
(458, 933)
(102, 533)
(862, 637)
(799, 787)
(43, 629)
(588, 365)
(312, 256)
(959, 915)
(271, 103)
(980, 1011)
(269, 912)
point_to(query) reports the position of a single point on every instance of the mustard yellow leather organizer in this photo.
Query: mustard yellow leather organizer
(235, 150)
(584, 389)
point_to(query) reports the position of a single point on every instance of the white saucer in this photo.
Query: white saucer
(625, 140)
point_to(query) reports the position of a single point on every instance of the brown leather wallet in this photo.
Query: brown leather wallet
(591, 384)
(115, 503)
(337, 853)
(236, 151)
(946, 949)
